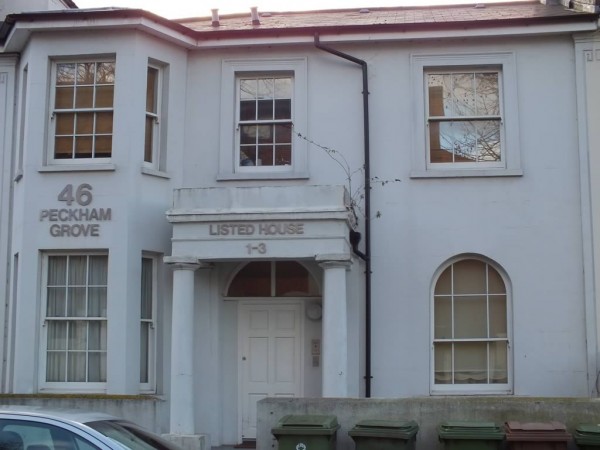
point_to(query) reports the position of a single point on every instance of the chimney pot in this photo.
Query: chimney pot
(215, 17)
(254, 15)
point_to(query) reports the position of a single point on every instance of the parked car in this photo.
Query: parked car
(37, 428)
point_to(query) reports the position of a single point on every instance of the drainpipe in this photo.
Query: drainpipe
(354, 236)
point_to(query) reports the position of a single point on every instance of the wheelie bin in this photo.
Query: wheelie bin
(306, 432)
(384, 434)
(465, 435)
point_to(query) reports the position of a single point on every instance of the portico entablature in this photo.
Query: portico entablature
(261, 222)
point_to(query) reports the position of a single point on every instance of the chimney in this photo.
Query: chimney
(215, 17)
(254, 15)
(591, 6)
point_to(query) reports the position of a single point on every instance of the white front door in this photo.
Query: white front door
(270, 337)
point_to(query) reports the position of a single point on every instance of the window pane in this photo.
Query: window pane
(292, 279)
(96, 302)
(97, 335)
(77, 270)
(146, 293)
(77, 335)
(495, 282)
(57, 335)
(104, 96)
(103, 146)
(443, 318)
(85, 73)
(98, 270)
(144, 351)
(488, 140)
(56, 303)
(283, 88)
(97, 367)
(85, 123)
(470, 277)
(56, 366)
(443, 363)
(283, 134)
(497, 316)
(64, 98)
(149, 139)
(57, 270)
(65, 74)
(498, 362)
(254, 280)
(65, 124)
(76, 304)
(105, 73)
(248, 134)
(265, 155)
(487, 94)
(440, 100)
(264, 109)
(104, 122)
(76, 367)
(63, 147)
(84, 97)
(470, 362)
(248, 89)
(264, 134)
(248, 110)
(283, 155)
(444, 283)
(463, 93)
(266, 88)
(248, 156)
(470, 317)
(152, 90)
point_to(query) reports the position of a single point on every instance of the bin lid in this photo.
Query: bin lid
(385, 428)
(306, 424)
(470, 430)
(536, 431)
(587, 434)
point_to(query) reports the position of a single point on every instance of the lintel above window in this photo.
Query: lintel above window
(466, 116)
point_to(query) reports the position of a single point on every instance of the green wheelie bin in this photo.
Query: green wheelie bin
(464, 435)
(384, 434)
(306, 432)
(587, 436)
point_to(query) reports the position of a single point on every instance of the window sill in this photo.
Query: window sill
(155, 173)
(262, 176)
(466, 173)
(474, 391)
(79, 168)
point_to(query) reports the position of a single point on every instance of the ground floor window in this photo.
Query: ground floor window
(75, 318)
(471, 328)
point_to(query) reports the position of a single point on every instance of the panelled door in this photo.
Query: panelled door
(270, 360)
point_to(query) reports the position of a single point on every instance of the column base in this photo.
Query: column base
(189, 441)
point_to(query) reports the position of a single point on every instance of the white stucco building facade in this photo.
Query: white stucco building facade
(181, 206)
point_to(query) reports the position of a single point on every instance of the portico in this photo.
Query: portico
(213, 227)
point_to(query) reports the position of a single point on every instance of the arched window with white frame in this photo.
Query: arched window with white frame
(471, 328)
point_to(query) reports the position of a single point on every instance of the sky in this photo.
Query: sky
(174, 9)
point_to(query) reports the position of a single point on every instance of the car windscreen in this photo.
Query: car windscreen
(131, 436)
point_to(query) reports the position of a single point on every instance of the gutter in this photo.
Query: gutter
(355, 236)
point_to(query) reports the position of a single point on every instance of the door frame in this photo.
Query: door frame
(267, 301)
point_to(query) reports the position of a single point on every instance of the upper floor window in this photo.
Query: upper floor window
(265, 121)
(82, 114)
(471, 329)
(75, 319)
(466, 115)
(263, 114)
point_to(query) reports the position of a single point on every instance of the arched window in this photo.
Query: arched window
(273, 279)
(470, 332)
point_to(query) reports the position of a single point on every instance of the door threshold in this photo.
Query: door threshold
(246, 443)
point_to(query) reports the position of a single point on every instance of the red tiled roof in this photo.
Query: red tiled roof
(482, 15)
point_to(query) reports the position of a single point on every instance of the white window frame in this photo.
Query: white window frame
(504, 63)
(472, 389)
(232, 70)
(150, 385)
(158, 164)
(52, 113)
(66, 387)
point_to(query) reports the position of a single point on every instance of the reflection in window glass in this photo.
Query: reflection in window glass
(273, 279)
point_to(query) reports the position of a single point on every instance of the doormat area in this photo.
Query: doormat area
(246, 444)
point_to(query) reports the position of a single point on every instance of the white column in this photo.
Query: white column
(335, 328)
(182, 346)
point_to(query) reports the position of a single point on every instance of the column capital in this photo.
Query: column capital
(185, 263)
(330, 260)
